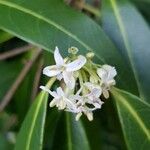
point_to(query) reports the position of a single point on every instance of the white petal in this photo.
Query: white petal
(111, 82)
(58, 58)
(51, 71)
(106, 94)
(96, 92)
(52, 103)
(76, 64)
(92, 86)
(89, 116)
(69, 79)
(54, 94)
(62, 105)
(97, 105)
(102, 73)
(78, 116)
(111, 71)
(60, 92)
(59, 76)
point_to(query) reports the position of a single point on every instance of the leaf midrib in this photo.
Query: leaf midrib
(135, 115)
(33, 121)
(126, 41)
(32, 13)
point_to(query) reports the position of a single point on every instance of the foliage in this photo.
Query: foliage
(117, 31)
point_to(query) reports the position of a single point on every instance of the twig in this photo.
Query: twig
(37, 79)
(18, 81)
(15, 52)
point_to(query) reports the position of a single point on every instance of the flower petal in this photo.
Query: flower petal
(78, 116)
(69, 79)
(52, 103)
(58, 58)
(89, 115)
(60, 92)
(54, 94)
(111, 71)
(59, 76)
(51, 71)
(102, 73)
(76, 64)
(106, 94)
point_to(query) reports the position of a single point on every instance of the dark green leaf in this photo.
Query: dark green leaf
(126, 27)
(70, 134)
(31, 133)
(134, 117)
(4, 36)
(53, 23)
(8, 73)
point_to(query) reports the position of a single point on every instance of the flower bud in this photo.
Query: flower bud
(73, 50)
(90, 55)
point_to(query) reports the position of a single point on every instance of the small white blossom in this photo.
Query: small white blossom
(63, 69)
(93, 96)
(107, 74)
(60, 98)
(81, 93)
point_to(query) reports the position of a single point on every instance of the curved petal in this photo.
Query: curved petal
(60, 92)
(76, 64)
(69, 79)
(52, 103)
(51, 71)
(54, 94)
(59, 76)
(102, 73)
(111, 71)
(58, 58)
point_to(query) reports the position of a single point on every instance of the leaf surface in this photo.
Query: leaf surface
(30, 136)
(131, 34)
(51, 23)
(134, 117)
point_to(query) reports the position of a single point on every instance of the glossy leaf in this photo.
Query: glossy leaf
(4, 36)
(126, 27)
(53, 23)
(70, 134)
(134, 117)
(31, 133)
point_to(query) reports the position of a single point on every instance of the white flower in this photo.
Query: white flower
(80, 102)
(107, 74)
(60, 98)
(63, 69)
(80, 109)
(93, 96)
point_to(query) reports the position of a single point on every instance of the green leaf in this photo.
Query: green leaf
(134, 117)
(53, 23)
(4, 36)
(75, 134)
(8, 73)
(70, 134)
(31, 134)
(126, 27)
(32, 130)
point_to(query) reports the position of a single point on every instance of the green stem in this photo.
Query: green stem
(94, 75)
(51, 82)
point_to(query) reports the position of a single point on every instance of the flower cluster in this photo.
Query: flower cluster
(82, 83)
